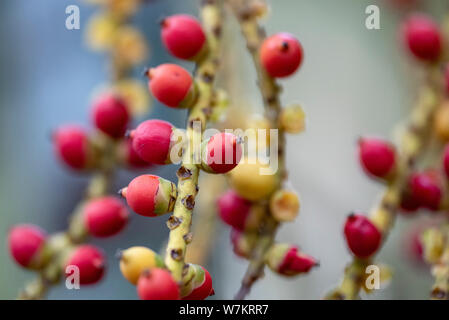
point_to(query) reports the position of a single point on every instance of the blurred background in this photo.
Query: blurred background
(353, 82)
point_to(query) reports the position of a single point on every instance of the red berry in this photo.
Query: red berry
(202, 290)
(183, 36)
(281, 55)
(376, 156)
(446, 161)
(233, 209)
(26, 245)
(221, 153)
(150, 195)
(157, 284)
(151, 140)
(132, 158)
(72, 145)
(110, 115)
(105, 216)
(171, 85)
(90, 262)
(362, 236)
(409, 204)
(423, 37)
(425, 187)
(295, 262)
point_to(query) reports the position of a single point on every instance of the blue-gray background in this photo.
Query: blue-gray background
(354, 81)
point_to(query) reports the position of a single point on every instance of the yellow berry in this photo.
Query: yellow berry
(130, 46)
(135, 260)
(284, 205)
(292, 119)
(101, 31)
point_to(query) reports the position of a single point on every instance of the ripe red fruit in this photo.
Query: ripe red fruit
(423, 38)
(281, 55)
(90, 262)
(157, 284)
(425, 187)
(376, 156)
(172, 85)
(202, 290)
(110, 115)
(26, 245)
(221, 153)
(446, 161)
(71, 144)
(295, 262)
(151, 140)
(150, 195)
(183, 36)
(409, 204)
(105, 216)
(362, 236)
(233, 209)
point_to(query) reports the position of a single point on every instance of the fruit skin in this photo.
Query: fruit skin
(151, 141)
(110, 115)
(377, 157)
(446, 161)
(183, 36)
(233, 209)
(287, 260)
(27, 245)
(91, 263)
(172, 85)
(362, 236)
(281, 55)
(246, 179)
(134, 260)
(221, 153)
(157, 284)
(71, 144)
(150, 195)
(105, 216)
(425, 187)
(202, 286)
(422, 37)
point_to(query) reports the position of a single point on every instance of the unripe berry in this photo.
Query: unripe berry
(151, 140)
(233, 209)
(110, 115)
(150, 195)
(172, 85)
(105, 216)
(281, 55)
(284, 205)
(292, 119)
(253, 180)
(221, 153)
(441, 122)
(426, 188)
(90, 262)
(362, 236)
(129, 157)
(157, 284)
(423, 38)
(446, 161)
(287, 260)
(72, 146)
(200, 286)
(377, 157)
(183, 36)
(243, 242)
(27, 246)
(135, 260)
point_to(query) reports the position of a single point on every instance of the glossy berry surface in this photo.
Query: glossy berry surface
(26, 243)
(203, 290)
(425, 187)
(362, 236)
(376, 156)
(183, 36)
(223, 153)
(170, 84)
(233, 209)
(90, 262)
(281, 55)
(71, 144)
(422, 37)
(110, 115)
(157, 284)
(105, 216)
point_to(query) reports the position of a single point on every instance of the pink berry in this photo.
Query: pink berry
(183, 36)
(132, 158)
(90, 262)
(203, 290)
(362, 236)
(26, 245)
(376, 156)
(221, 153)
(105, 216)
(422, 37)
(110, 115)
(171, 85)
(157, 284)
(295, 262)
(233, 209)
(281, 55)
(425, 187)
(71, 144)
(151, 140)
